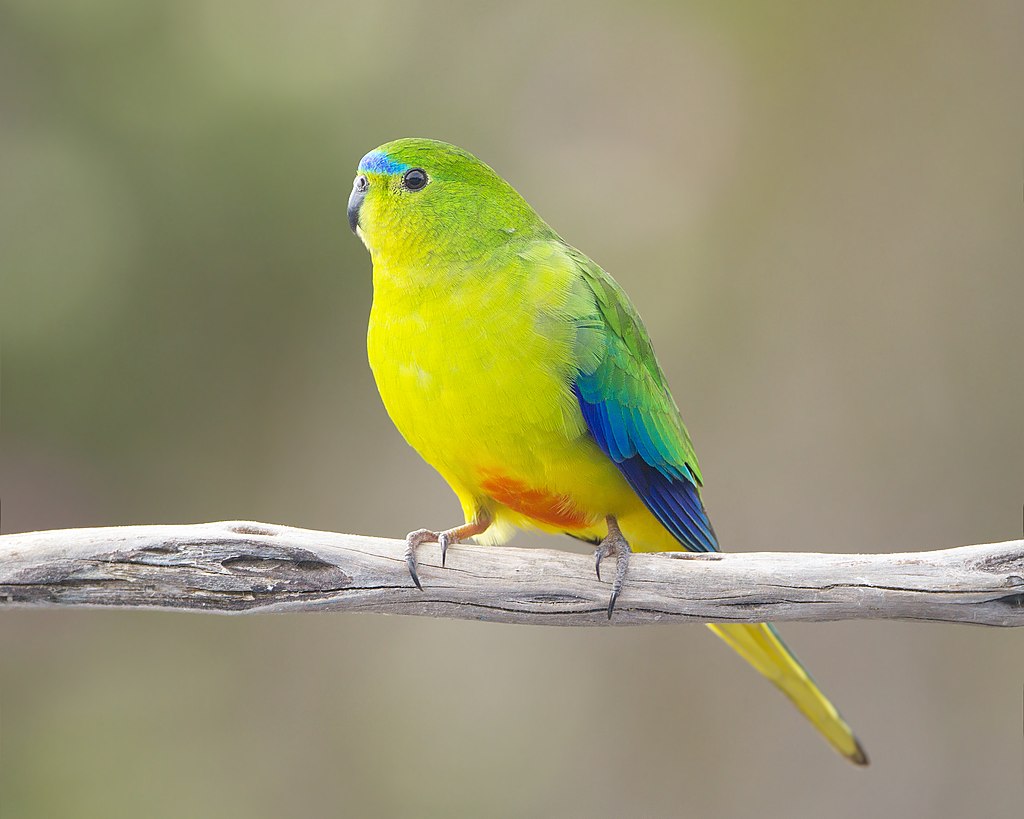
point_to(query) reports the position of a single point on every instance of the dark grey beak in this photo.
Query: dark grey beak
(355, 201)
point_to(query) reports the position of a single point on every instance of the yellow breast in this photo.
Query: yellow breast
(475, 371)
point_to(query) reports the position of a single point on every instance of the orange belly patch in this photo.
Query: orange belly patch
(538, 504)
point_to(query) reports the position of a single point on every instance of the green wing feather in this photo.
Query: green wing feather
(630, 412)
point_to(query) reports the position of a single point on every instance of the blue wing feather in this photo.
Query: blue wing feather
(625, 437)
(628, 410)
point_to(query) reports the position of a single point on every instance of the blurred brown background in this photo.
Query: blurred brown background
(817, 209)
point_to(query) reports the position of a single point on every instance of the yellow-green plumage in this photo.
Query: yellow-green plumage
(518, 369)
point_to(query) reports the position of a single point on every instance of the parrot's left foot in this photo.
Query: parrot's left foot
(445, 539)
(613, 545)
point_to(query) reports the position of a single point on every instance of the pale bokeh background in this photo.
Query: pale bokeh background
(816, 207)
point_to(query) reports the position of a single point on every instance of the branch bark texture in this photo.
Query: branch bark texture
(238, 567)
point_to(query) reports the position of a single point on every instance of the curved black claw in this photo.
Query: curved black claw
(443, 539)
(410, 561)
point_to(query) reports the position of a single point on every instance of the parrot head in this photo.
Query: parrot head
(417, 202)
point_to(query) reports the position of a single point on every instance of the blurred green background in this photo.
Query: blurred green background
(815, 206)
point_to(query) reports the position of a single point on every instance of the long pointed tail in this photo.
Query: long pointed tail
(761, 646)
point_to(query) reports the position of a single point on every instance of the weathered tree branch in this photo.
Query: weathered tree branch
(257, 567)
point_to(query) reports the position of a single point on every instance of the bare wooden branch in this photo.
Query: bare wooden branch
(257, 567)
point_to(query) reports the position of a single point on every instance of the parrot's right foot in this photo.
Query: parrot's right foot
(445, 539)
(412, 540)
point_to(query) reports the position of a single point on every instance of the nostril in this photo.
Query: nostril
(361, 183)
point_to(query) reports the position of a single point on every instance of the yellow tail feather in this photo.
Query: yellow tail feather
(761, 646)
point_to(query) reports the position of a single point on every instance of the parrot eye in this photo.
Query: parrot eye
(361, 183)
(415, 180)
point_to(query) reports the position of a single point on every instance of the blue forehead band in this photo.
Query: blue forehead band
(380, 162)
